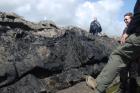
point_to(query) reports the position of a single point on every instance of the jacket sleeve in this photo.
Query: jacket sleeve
(100, 29)
(90, 29)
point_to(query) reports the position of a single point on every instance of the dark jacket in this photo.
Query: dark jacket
(95, 27)
(125, 29)
(134, 26)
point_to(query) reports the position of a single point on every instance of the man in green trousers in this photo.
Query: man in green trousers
(123, 55)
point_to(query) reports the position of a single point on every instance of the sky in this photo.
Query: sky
(74, 12)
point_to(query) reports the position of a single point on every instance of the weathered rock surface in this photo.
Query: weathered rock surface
(78, 88)
(43, 58)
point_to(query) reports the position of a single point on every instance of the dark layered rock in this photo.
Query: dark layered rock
(8, 18)
(44, 58)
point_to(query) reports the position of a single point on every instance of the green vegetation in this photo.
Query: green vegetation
(113, 89)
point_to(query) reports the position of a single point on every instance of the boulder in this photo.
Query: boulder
(44, 58)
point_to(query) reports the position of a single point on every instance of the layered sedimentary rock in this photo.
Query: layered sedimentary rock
(44, 58)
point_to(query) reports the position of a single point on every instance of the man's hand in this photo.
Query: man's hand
(123, 38)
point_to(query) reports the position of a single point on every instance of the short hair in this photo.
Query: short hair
(129, 14)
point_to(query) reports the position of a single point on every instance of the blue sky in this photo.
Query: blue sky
(128, 6)
(73, 12)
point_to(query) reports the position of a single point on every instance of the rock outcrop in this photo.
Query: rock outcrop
(44, 58)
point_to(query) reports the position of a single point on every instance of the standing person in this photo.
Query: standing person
(95, 27)
(123, 55)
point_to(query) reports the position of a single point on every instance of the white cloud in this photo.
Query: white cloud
(105, 10)
(69, 12)
(24, 9)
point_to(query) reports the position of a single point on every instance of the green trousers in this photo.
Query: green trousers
(119, 58)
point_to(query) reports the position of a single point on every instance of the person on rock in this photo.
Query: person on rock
(95, 27)
(128, 51)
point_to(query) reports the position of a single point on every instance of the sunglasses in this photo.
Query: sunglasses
(125, 19)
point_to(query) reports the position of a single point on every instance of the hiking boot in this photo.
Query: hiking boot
(91, 82)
